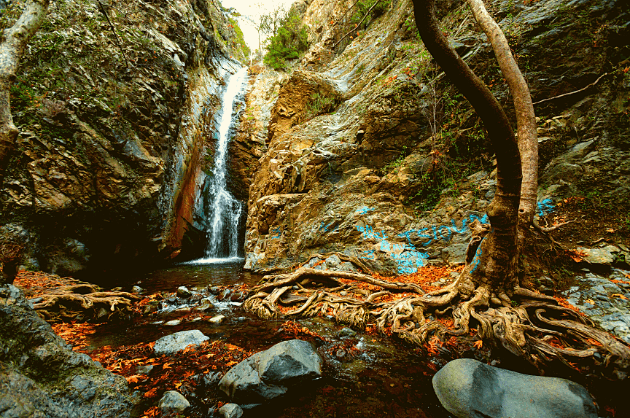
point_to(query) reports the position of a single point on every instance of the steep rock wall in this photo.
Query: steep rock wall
(397, 169)
(114, 130)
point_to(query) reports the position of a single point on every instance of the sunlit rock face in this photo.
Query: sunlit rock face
(371, 151)
(114, 130)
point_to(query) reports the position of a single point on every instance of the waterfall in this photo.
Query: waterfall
(224, 211)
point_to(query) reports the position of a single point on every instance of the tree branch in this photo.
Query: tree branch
(12, 48)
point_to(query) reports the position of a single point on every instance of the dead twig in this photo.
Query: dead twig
(573, 92)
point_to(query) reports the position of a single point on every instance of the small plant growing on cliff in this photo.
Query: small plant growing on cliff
(320, 104)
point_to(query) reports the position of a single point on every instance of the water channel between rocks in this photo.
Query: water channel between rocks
(381, 378)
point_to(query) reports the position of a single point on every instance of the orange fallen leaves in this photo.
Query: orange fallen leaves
(565, 304)
(576, 255)
(478, 344)
(432, 345)
(35, 283)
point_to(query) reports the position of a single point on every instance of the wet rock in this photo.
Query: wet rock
(215, 290)
(231, 410)
(173, 401)
(205, 304)
(42, 377)
(137, 289)
(173, 343)
(183, 292)
(269, 374)
(173, 322)
(216, 319)
(347, 332)
(469, 388)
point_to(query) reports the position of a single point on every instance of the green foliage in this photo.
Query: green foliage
(362, 8)
(397, 162)
(319, 104)
(240, 39)
(290, 40)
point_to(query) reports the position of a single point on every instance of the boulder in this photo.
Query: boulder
(469, 388)
(269, 374)
(173, 401)
(173, 343)
(41, 376)
(231, 410)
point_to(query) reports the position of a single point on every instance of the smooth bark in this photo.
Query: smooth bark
(13, 43)
(525, 116)
(494, 264)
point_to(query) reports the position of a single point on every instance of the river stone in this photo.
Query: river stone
(231, 410)
(269, 374)
(173, 401)
(469, 388)
(216, 319)
(183, 292)
(173, 343)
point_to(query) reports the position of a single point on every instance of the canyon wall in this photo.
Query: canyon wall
(370, 151)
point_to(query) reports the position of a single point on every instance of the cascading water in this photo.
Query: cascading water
(224, 211)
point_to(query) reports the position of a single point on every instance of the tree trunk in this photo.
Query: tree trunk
(494, 263)
(14, 40)
(525, 117)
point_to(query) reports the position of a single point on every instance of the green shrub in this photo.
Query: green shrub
(362, 8)
(320, 104)
(288, 43)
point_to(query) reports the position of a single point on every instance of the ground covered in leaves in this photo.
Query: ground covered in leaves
(188, 371)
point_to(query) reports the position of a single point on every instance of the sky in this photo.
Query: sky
(253, 8)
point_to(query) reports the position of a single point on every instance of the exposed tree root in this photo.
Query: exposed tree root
(528, 324)
(83, 301)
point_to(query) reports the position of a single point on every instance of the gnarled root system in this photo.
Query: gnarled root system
(530, 325)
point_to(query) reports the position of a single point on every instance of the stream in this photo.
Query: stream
(380, 378)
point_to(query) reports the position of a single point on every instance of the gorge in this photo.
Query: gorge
(153, 153)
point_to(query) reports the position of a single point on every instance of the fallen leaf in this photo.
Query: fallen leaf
(478, 344)
(591, 301)
(618, 295)
(134, 378)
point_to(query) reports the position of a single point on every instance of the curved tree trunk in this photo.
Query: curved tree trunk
(494, 261)
(525, 117)
(14, 40)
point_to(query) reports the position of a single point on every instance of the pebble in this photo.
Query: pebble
(216, 319)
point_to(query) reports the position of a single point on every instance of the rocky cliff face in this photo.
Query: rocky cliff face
(371, 151)
(116, 107)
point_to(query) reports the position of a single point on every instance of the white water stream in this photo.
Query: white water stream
(225, 211)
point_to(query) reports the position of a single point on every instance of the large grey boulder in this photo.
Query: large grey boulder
(40, 375)
(269, 374)
(470, 389)
(178, 341)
